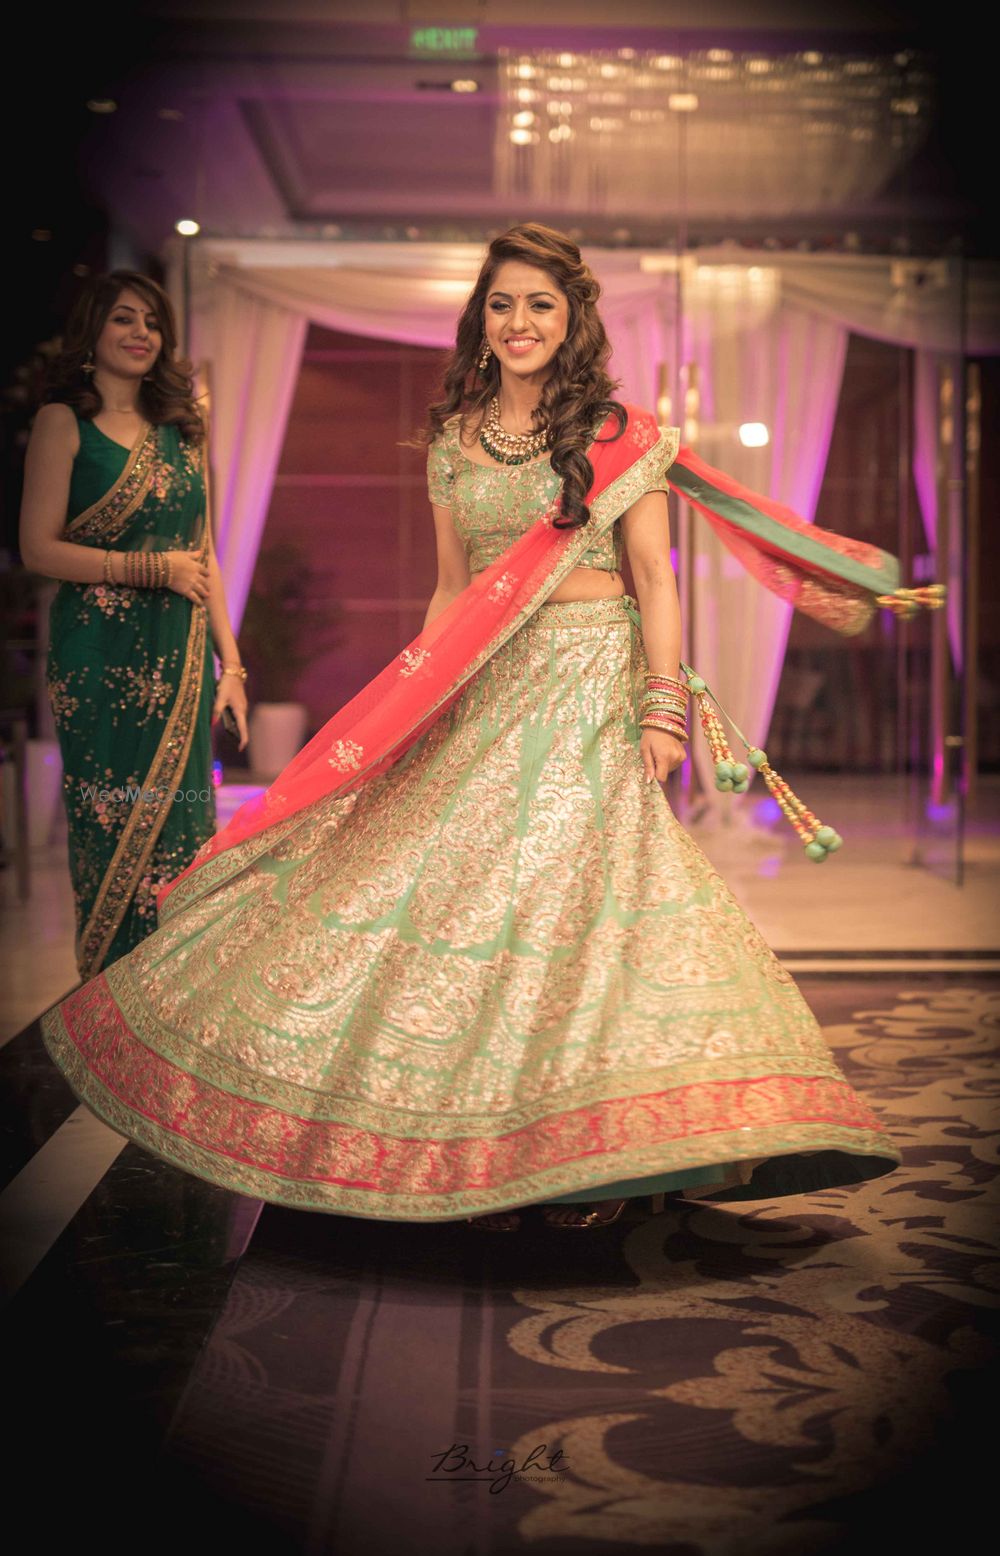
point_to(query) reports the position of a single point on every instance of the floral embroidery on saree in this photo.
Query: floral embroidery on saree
(147, 816)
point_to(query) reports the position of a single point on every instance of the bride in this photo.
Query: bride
(461, 958)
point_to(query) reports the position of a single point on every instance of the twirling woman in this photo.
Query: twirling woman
(115, 506)
(461, 958)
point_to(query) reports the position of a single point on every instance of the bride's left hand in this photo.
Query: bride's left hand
(230, 694)
(661, 753)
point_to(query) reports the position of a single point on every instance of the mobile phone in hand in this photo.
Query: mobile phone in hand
(229, 723)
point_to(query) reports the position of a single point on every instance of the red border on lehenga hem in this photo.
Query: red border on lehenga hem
(266, 1139)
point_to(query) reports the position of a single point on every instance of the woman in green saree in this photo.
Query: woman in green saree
(115, 507)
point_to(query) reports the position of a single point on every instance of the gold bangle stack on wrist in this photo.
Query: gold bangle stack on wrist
(233, 670)
(147, 569)
(108, 575)
(663, 705)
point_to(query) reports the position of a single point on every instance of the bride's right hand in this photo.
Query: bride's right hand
(189, 575)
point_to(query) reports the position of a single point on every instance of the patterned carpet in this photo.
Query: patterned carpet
(780, 1377)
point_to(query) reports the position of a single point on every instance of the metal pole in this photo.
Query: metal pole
(973, 519)
(958, 578)
(907, 730)
(940, 667)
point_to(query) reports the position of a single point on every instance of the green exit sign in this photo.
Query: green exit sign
(444, 40)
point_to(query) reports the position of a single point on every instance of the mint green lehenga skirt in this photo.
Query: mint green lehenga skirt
(501, 973)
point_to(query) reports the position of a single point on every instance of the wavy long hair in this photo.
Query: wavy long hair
(577, 394)
(166, 395)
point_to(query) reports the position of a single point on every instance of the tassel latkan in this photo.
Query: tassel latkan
(907, 602)
(732, 777)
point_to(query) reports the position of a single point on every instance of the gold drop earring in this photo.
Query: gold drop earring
(484, 355)
(88, 366)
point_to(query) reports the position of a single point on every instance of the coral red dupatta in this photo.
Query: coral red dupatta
(817, 571)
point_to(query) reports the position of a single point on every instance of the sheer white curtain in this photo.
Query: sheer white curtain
(251, 350)
(758, 360)
(922, 303)
(767, 331)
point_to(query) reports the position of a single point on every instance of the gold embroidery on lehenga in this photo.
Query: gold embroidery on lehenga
(645, 473)
(512, 975)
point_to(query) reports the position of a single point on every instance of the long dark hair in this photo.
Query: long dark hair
(166, 396)
(577, 394)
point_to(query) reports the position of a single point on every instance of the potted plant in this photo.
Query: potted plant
(283, 630)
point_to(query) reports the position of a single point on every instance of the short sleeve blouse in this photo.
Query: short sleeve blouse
(440, 471)
(491, 508)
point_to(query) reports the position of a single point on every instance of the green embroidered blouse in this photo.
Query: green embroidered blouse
(492, 507)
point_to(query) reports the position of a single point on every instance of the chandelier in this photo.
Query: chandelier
(716, 133)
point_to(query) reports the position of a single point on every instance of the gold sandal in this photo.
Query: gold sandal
(587, 1221)
(482, 1222)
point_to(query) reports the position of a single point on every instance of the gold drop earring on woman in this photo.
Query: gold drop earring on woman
(484, 356)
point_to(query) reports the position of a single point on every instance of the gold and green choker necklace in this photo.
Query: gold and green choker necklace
(510, 448)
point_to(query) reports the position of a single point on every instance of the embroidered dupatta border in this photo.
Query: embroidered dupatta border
(106, 518)
(218, 865)
(807, 543)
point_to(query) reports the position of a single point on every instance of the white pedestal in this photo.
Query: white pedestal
(277, 732)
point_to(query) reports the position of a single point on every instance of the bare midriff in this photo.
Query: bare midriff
(585, 583)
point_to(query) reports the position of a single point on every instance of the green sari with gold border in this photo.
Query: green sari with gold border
(130, 681)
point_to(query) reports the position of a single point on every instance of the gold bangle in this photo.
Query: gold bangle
(234, 670)
(667, 726)
(108, 579)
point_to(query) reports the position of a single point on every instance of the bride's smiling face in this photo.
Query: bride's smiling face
(526, 320)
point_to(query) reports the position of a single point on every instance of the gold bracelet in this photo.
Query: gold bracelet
(662, 682)
(108, 579)
(668, 726)
(234, 670)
